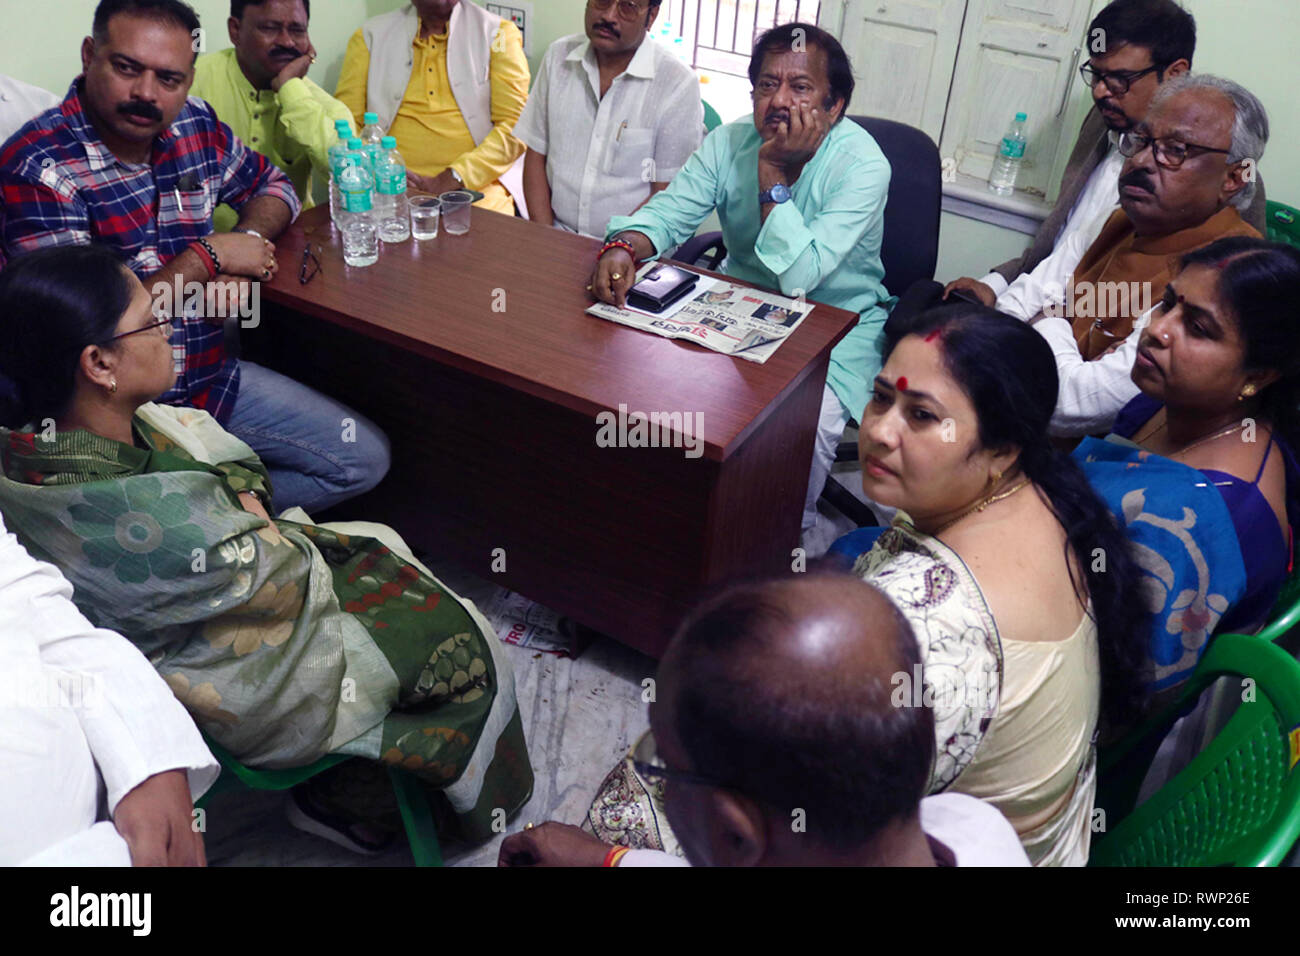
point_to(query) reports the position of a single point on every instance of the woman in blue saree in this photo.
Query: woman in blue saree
(1200, 467)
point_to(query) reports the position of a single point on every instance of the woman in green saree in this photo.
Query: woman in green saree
(284, 639)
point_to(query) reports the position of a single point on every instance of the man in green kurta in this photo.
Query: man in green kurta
(801, 198)
(260, 89)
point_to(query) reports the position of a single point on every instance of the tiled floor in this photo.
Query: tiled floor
(580, 717)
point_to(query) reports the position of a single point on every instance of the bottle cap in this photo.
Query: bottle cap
(354, 143)
(389, 142)
(371, 118)
(1021, 117)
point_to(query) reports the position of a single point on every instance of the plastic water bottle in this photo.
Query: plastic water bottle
(372, 135)
(390, 194)
(1011, 154)
(337, 155)
(360, 234)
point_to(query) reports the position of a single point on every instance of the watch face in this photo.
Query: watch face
(780, 192)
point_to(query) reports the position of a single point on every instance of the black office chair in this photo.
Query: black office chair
(909, 251)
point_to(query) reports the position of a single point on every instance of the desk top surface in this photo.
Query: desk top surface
(507, 302)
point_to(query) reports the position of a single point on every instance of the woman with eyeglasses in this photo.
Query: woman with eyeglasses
(285, 640)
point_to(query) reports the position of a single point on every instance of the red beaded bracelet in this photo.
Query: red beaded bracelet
(617, 244)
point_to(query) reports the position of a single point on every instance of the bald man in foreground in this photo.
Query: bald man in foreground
(766, 694)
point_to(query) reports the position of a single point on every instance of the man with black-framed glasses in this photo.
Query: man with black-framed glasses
(765, 693)
(1133, 46)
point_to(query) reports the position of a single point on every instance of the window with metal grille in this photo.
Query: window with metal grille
(720, 34)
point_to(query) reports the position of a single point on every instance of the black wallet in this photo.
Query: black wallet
(661, 287)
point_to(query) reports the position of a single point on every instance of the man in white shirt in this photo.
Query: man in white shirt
(19, 102)
(85, 722)
(767, 693)
(610, 120)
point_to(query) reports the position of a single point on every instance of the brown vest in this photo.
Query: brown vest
(1113, 279)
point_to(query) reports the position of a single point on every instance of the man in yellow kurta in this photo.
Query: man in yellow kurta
(448, 79)
(260, 89)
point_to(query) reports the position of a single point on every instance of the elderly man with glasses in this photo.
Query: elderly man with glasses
(1134, 46)
(610, 121)
(1189, 169)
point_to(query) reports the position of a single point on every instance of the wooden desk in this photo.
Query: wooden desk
(474, 354)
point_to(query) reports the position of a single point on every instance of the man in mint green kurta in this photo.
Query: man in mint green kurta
(260, 89)
(801, 197)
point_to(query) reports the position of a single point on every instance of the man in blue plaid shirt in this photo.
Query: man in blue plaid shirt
(128, 161)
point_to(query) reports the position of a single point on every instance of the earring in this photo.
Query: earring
(112, 385)
(1246, 393)
(996, 477)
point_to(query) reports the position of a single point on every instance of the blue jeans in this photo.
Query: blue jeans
(318, 451)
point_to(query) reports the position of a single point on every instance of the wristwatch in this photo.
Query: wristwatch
(456, 176)
(778, 194)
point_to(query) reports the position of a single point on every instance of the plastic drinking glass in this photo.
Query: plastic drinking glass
(425, 212)
(455, 212)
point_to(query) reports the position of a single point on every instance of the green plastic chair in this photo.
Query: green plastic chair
(1286, 611)
(1238, 802)
(1282, 223)
(712, 120)
(412, 801)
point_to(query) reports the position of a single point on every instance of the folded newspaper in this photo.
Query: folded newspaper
(732, 319)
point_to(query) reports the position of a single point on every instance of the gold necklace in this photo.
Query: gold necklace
(1200, 441)
(979, 506)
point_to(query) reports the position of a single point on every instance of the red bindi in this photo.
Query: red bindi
(902, 383)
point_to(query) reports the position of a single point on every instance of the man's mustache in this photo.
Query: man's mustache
(777, 116)
(605, 25)
(1139, 178)
(140, 108)
(292, 53)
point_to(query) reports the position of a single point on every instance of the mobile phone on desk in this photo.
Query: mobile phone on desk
(661, 287)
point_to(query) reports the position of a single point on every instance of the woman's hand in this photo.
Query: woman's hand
(157, 821)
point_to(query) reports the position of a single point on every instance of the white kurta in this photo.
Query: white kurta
(1100, 194)
(19, 102)
(82, 714)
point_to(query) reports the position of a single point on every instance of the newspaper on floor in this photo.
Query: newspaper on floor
(526, 623)
(732, 319)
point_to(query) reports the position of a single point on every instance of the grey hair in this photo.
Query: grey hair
(1249, 124)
